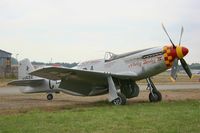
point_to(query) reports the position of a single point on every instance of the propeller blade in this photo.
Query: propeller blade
(174, 69)
(168, 36)
(186, 68)
(181, 36)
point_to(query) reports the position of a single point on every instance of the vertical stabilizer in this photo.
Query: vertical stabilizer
(25, 67)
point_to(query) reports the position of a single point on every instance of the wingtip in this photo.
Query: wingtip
(10, 82)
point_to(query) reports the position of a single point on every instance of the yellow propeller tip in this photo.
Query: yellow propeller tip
(172, 79)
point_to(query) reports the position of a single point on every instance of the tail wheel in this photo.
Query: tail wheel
(155, 97)
(121, 100)
(49, 97)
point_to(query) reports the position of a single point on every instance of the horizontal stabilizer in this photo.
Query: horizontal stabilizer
(28, 82)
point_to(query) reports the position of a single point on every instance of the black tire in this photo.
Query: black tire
(133, 91)
(121, 100)
(156, 98)
(130, 89)
(49, 97)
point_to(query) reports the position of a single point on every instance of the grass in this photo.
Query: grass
(163, 117)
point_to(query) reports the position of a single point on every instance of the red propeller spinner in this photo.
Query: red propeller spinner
(181, 51)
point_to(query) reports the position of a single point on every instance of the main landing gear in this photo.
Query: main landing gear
(118, 98)
(121, 100)
(154, 95)
(114, 96)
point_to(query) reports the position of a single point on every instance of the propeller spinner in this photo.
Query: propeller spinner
(176, 53)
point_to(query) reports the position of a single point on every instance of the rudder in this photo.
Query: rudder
(25, 67)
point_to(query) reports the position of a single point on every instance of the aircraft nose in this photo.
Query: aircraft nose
(181, 51)
(185, 51)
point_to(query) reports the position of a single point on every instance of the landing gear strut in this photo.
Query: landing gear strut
(115, 97)
(154, 95)
(50, 96)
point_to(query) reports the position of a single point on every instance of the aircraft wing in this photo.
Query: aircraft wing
(27, 82)
(57, 73)
(80, 82)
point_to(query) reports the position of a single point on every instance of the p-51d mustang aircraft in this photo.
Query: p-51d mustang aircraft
(117, 74)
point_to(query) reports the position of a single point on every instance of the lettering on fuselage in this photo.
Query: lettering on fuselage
(146, 61)
(135, 64)
(149, 61)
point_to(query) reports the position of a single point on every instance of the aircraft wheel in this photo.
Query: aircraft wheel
(49, 97)
(156, 97)
(121, 100)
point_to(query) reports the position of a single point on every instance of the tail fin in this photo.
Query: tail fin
(25, 67)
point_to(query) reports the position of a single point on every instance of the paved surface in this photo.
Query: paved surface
(173, 86)
(10, 90)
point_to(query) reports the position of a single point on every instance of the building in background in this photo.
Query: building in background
(5, 64)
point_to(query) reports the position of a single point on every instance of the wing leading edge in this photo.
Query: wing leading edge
(58, 73)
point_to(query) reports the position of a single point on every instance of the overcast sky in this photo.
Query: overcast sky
(78, 30)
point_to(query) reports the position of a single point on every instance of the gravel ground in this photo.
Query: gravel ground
(21, 103)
